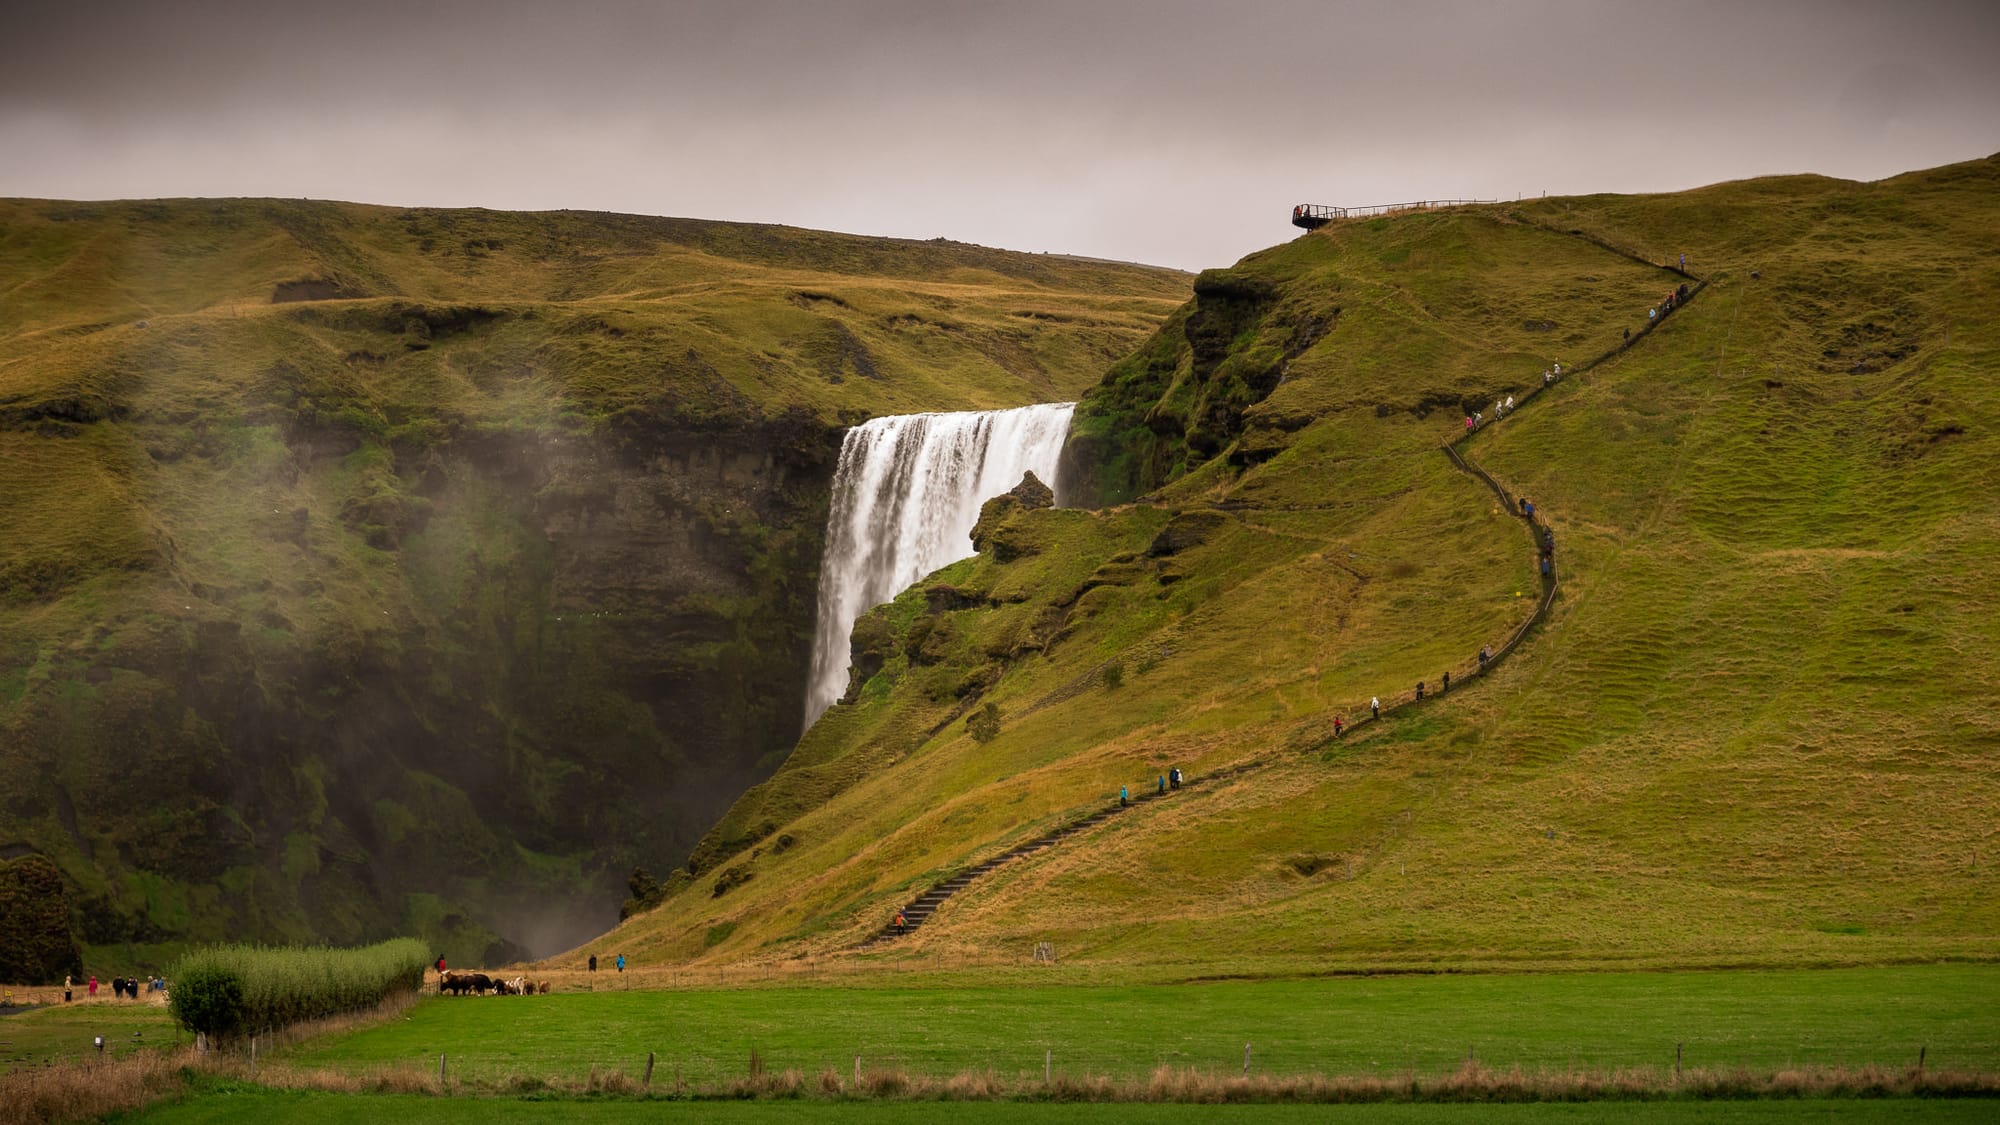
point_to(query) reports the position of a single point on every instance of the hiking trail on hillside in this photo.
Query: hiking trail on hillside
(920, 909)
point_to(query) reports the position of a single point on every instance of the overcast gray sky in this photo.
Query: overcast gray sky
(1175, 133)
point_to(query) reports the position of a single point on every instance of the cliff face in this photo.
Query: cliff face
(584, 647)
(372, 571)
(1182, 398)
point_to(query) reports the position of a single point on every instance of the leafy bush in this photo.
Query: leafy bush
(208, 999)
(984, 725)
(225, 989)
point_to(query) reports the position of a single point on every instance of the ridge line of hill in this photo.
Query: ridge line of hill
(919, 909)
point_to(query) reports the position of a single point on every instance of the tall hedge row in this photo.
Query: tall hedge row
(225, 990)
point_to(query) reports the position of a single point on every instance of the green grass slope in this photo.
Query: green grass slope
(367, 569)
(1755, 729)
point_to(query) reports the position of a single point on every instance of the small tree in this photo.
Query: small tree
(208, 1000)
(984, 725)
(1114, 675)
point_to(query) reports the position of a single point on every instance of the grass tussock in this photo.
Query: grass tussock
(86, 1091)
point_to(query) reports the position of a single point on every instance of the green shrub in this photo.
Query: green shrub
(226, 989)
(984, 725)
(1114, 675)
(207, 999)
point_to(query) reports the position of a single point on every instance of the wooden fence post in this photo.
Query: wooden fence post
(1246, 1060)
(1677, 1061)
(1049, 1064)
(440, 1070)
(857, 1072)
(648, 1083)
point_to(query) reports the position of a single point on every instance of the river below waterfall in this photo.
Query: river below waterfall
(905, 496)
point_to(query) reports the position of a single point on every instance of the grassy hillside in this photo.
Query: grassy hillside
(368, 569)
(1755, 729)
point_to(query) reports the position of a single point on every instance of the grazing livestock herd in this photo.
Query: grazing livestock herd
(458, 982)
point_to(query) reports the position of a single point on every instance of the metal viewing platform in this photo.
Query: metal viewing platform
(1313, 216)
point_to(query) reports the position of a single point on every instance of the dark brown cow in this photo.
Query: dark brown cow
(458, 983)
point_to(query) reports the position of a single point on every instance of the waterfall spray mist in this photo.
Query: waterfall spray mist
(905, 496)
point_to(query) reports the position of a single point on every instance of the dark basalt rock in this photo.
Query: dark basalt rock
(994, 530)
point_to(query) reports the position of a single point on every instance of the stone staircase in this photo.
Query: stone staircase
(919, 909)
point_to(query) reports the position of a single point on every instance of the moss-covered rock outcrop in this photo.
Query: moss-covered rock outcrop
(1181, 399)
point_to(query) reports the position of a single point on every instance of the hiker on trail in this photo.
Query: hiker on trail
(1163, 783)
(93, 984)
(593, 962)
(1652, 315)
(1124, 797)
(902, 923)
(1684, 263)
(621, 962)
(1336, 726)
(1547, 377)
(117, 986)
(1478, 419)
(68, 985)
(1375, 705)
(1485, 654)
(1468, 423)
(1420, 689)
(1510, 402)
(1528, 508)
(1447, 684)
(1628, 335)
(1681, 292)
(1548, 566)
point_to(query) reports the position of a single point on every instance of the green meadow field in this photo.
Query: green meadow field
(1386, 1025)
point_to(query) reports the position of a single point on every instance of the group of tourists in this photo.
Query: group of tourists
(1667, 304)
(1505, 406)
(1161, 784)
(127, 988)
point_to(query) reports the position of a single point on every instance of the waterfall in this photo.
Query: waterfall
(905, 497)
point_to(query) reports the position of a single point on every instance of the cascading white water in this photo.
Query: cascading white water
(905, 497)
